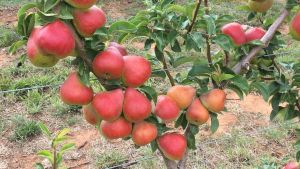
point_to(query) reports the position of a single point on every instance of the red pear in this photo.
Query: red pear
(197, 113)
(109, 104)
(292, 165)
(74, 92)
(108, 64)
(166, 108)
(254, 34)
(121, 48)
(182, 95)
(56, 39)
(90, 114)
(236, 32)
(88, 21)
(295, 27)
(137, 70)
(214, 100)
(34, 54)
(136, 106)
(119, 128)
(173, 145)
(83, 4)
(143, 133)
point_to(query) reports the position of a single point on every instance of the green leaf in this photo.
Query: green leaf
(39, 166)
(214, 122)
(243, 8)
(179, 120)
(122, 26)
(148, 44)
(223, 41)
(46, 154)
(194, 41)
(154, 146)
(262, 88)
(298, 156)
(194, 129)
(66, 12)
(25, 8)
(210, 24)
(191, 141)
(237, 90)
(200, 70)
(45, 129)
(63, 133)
(241, 82)
(66, 147)
(159, 54)
(256, 42)
(49, 4)
(17, 45)
(150, 92)
(182, 60)
(158, 73)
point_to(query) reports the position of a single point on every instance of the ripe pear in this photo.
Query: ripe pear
(56, 39)
(260, 5)
(35, 56)
(295, 27)
(121, 48)
(166, 108)
(137, 70)
(236, 32)
(197, 113)
(89, 20)
(90, 114)
(119, 128)
(214, 100)
(109, 104)
(173, 145)
(143, 133)
(82, 4)
(255, 34)
(182, 95)
(74, 92)
(136, 106)
(108, 64)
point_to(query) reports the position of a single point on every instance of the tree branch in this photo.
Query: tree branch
(244, 63)
(182, 163)
(195, 16)
(298, 105)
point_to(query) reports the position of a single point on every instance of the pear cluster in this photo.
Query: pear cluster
(241, 36)
(54, 41)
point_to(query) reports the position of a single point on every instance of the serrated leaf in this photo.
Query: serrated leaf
(210, 24)
(182, 60)
(66, 12)
(241, 82)
(49, 4)
(194, 41)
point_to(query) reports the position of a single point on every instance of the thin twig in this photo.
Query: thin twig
(195, 16)
(165, 67)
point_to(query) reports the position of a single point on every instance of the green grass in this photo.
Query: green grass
(109, 159)
(13, 3)
(33, 101)
(24, 128)
(8, 36)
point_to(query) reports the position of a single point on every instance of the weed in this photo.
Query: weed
(8, 36)
(109, 159)
(24, 128)
(33, 101)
